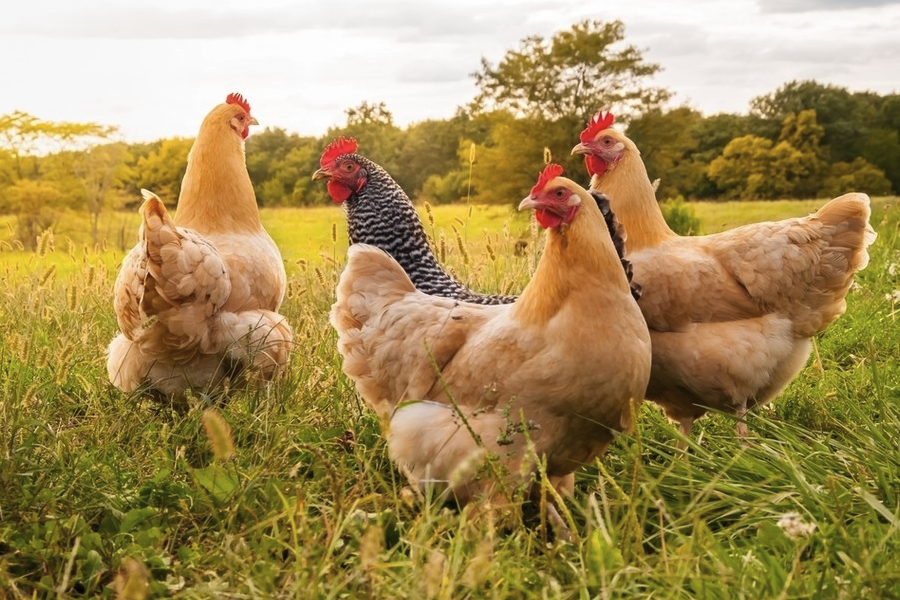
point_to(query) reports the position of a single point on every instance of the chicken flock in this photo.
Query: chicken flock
(482, 395)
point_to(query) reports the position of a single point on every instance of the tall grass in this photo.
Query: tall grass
(288, 492)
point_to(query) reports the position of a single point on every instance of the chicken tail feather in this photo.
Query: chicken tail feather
(848, 215)
(844, 226)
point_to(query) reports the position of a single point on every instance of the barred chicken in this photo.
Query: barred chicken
(380, 213)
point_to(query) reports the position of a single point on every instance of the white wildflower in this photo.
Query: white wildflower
(794, 527)
(893, 297)
(854, 287)
(892, 269)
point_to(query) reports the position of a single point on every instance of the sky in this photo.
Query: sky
(154, 69)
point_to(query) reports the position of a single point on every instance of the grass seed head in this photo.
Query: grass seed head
(461, 245)
(72, 297)
(47, 275)
(45, 243)
(219, 434)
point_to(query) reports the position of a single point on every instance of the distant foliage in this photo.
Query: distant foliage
(756, 168)
(570, 75)
(680, 216)
(857, 176)
(804, 140)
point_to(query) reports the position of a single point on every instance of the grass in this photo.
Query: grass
(289, 492)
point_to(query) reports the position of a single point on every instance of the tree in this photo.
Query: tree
(856, 176)
(754, 168)
(104, 171)
(802, 133)
(506, 165)
(844, 116)
(59, 155)
(570, 76)
(280, 165)
(25, 137)
(429, 150)
(290, 182)
(881, 148)
(35, 204)
(666, 141)
(162, 170)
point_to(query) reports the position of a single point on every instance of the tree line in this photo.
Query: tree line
(804, 140)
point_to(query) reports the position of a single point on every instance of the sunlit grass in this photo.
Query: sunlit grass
(289, 492)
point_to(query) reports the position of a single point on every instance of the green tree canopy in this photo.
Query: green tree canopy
(280, 166)
(162, 170)
(857, 176)
(803, 134)
(666, 141)
(36, 205)
(570, 76)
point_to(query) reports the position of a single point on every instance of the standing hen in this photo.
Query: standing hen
(380, 213)
(197, 297)
(731, 315)
(552, 376)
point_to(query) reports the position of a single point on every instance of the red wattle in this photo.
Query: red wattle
(547, 219)
(338, 192)
(595, 165)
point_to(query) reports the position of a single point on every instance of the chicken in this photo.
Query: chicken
(197, 298)
(731, 315)
(380, 213)
(552, 377)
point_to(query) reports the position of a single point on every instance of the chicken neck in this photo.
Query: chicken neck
(579, 262)
(216, 193)
(633, 200)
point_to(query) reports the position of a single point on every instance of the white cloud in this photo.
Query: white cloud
(155, 68)
(787, 6)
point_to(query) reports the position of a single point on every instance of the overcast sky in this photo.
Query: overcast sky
(154, 69)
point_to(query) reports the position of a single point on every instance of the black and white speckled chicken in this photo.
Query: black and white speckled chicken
(380, 213)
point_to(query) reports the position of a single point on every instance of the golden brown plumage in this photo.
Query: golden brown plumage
(731, 315)
(197, 298)
(552, 375)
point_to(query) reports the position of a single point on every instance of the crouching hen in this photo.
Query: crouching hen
(197, 298)
(731, 315)
(380, 213)
(552, 377)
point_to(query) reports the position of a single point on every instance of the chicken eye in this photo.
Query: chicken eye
(347, 166)
(560, 193)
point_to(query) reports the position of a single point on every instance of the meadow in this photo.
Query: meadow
(288, 492)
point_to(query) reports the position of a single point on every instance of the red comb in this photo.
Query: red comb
(235, 98)
(550, 171)
(602, 120)
(339, 146)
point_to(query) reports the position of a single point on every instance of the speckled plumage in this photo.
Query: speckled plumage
(382, 215)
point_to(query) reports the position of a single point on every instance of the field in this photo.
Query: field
(289, 493)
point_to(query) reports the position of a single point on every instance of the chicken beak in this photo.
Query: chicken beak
(580, 149)
(321, 174)
(253, 121)
(527, 202)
